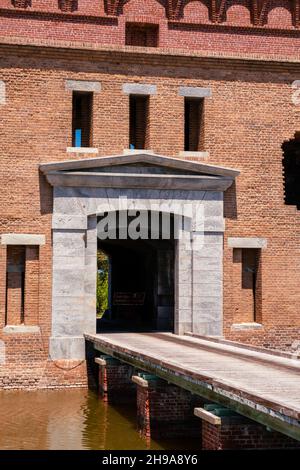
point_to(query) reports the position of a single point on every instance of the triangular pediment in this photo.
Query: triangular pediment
(137, 162)
(138, 170)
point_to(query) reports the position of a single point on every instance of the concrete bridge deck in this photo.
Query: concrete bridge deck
(262, 387)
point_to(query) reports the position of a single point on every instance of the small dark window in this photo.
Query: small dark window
(139, 121)
(193, 124)
(250, 263)
(291, 170)
(82, 119)
(68, 5)
(15, 285)
(141, 35)
(21, 3)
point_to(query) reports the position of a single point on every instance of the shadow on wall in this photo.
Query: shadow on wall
(291, 171)
(230, 203)
(46, 195)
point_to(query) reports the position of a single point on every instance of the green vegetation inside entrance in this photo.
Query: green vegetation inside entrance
(102, 283)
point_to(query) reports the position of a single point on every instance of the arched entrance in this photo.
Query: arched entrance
(187, 298)
(141, 277)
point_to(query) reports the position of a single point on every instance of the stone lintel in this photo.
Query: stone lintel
(198, 154)
(22, 239)
(83, 85)
(208, 416)
(247, 326)
(139, 181)
(2, 92)
(137, 151)
(139, 381)
(101, 362)
(194, 92)
(23, 329)
(87, 150)
(247, 242)
(139, 89)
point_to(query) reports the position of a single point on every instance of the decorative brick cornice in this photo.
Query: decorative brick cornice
(175, 9)
(173, 57)
(296, 13)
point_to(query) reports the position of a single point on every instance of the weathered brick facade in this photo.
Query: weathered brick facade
(246, 53)
(166, 411)
(240, 433)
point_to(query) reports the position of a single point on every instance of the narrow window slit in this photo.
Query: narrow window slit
(82, 119)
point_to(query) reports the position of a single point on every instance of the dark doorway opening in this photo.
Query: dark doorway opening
(140, 293)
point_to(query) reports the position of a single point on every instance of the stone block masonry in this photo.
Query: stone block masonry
(211, 27)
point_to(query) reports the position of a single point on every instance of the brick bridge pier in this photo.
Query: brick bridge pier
(179, 402)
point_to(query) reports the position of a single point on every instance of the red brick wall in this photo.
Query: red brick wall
(246, 121)
(232, 27)
(243, 435)
(27, 365)
(115, 384)
(167, 411)
(248, 117)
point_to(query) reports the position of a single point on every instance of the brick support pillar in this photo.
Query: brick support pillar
(115, 384)
(31, 286)
(241, 433)
(165, 410)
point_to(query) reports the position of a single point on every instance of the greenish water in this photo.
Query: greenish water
(71, 419)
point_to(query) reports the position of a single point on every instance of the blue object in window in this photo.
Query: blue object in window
(78, 135)
(131, 146)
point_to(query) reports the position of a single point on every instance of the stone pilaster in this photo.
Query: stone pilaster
(70, 317)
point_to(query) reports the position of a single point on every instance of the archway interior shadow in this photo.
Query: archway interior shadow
(141, 285)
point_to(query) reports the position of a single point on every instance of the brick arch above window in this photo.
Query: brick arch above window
(2, 92)
(198, 10)
(116, 7)
(279, 14)
(68, 5)
(276, 13)
(21, 3)
(238, 12)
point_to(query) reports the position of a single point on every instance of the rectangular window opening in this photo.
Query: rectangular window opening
(82, 119)
(193, 124)
(15, 285)
(139, 122)
(142, 35)
(251, 284)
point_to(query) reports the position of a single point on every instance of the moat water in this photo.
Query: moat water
(72, 419)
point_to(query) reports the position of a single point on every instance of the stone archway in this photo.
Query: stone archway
(85, 188)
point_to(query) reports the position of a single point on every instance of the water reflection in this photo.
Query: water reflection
(71, 419)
